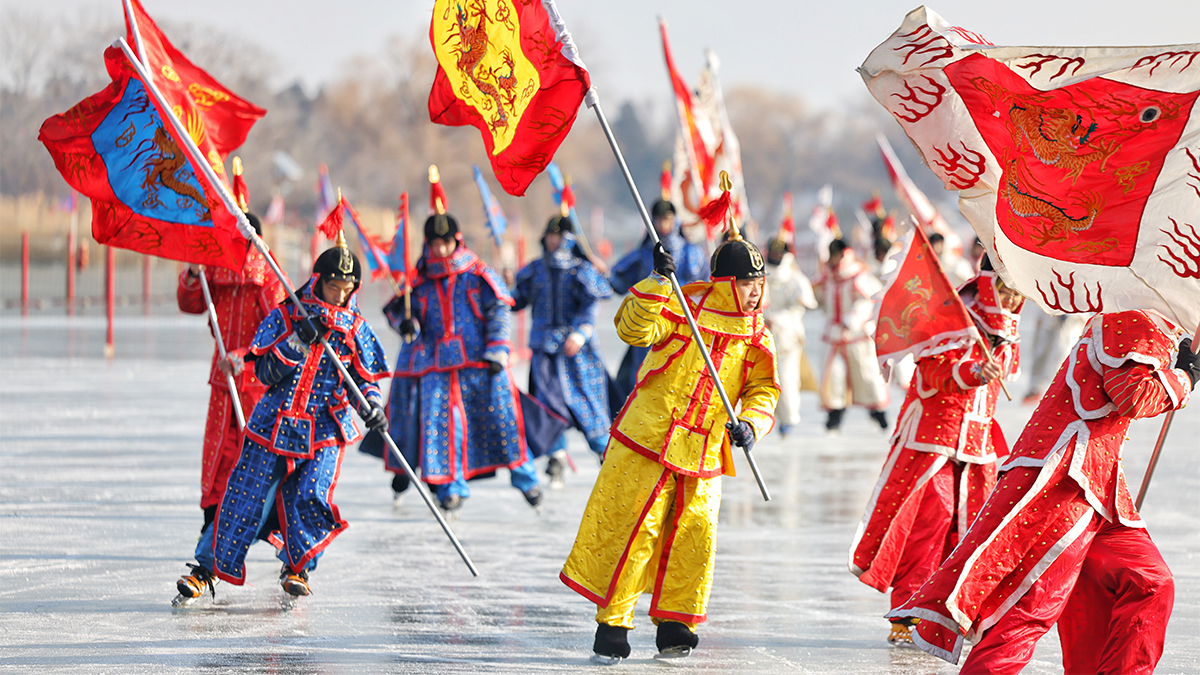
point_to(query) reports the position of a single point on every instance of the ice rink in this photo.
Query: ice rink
(98, 514)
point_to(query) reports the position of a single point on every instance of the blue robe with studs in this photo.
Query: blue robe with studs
(449, 416)
(296, 435)
(562, 290)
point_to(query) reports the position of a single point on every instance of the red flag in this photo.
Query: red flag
(1076, 166)
(217, 119)
(115, 148)
(397, 260)
(697, 133)
(511, 70)
(373, 253)
(787, 229)
(919, 307)
(334, 221)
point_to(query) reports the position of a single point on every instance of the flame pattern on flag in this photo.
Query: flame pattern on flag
(1078, 167)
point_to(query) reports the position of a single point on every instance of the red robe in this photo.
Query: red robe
(1062, 481)
(242, 301)
(941, 468)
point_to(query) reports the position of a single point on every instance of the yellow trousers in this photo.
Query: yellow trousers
(646, 528)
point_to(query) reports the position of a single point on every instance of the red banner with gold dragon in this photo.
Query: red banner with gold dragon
(509, 68)
(918, 308)
(1078, 167)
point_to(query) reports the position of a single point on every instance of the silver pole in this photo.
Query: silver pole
(198, 161)
(593, 101)
(216, 328)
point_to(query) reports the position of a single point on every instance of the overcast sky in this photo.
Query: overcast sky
(806, 48)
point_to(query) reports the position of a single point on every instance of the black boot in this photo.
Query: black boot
(880, 417)
(675, 639)
(612, 642)
(834, 421)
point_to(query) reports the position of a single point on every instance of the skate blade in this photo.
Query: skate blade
(601, 660)
(288, 602)
(181, 600)
(671, 653)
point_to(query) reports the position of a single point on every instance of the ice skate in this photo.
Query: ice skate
(451, 506)
(555, 468)
(294, 583)
(193, 586)
(534, 496)
(611, 645)
(674, 640)
(901, 635)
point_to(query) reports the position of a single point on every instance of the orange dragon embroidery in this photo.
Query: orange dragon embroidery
(912, 314)
(163, 159)
(472, 48)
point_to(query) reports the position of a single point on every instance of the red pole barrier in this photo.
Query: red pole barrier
(24, 272)
(72, 244)
(146, 285)
(110, 299)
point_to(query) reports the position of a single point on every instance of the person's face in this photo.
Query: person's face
(835, 259)
(551, 242)
(440, 247)
(749, 292)
(336, 292)
(665, 224)
(1009, 299)
(938, 247)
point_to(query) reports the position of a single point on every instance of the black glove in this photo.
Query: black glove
(741, 434)
(373, 416)
(1188, 362)
(664, 262)
(494, 368)
(408, 329)
(310, 330)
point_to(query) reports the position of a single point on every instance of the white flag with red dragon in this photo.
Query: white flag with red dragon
(1079, 167)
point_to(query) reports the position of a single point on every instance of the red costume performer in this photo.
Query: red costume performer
(1062, 511)
(242, 300)
(943, 461)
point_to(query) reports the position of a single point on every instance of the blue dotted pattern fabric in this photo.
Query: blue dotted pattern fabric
(308, 518)
(306, 405)
(562, 292)
(691, 263)
(449, 416)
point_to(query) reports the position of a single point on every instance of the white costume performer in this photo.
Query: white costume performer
(789, 293)
(851, 374)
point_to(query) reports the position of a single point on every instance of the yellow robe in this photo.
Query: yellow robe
(650, 523)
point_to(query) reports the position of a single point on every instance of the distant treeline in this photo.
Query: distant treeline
(371, 127)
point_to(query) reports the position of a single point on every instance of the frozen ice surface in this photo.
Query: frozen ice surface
(98, 514)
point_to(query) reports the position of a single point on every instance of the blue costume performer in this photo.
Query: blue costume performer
(565, 371)
(282, 484)
(462, 410)
(692, 265)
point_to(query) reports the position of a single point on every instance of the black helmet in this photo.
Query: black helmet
(739, 259)
(661, 208)
(776, 250)
(837, 246)
(441, 226)
(559, 224)
(339, 264)
(255, 223)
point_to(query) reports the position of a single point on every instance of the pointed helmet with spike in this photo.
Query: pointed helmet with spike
(439, 225)
(663, 206)
(736, 257)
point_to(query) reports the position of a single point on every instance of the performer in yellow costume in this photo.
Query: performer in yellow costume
(651, 522)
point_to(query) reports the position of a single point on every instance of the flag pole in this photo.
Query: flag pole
(212, 320)
(1162, 436)
(593, 101)
(211, 308)
(199, 162)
